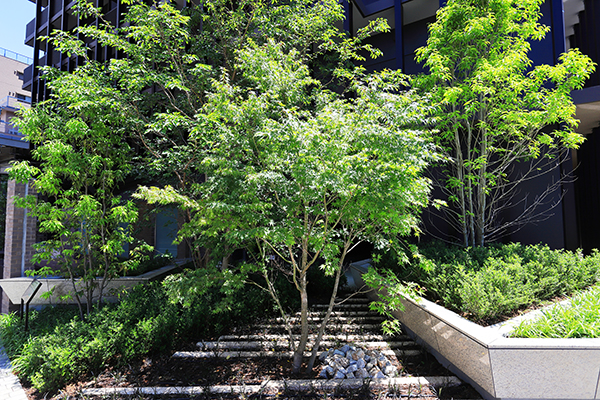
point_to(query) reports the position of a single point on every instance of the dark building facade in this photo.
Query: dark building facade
(570, 224)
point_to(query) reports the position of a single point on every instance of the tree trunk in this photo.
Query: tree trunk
(273, 293)
(461, 191)
(299, 353)
(317, 343)
(481, 189)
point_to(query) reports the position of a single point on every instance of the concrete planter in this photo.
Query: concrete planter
(500, 367)
(15, 287)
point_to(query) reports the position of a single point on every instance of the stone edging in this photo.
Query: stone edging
(15, 287)
(497, 366)
(297, 385)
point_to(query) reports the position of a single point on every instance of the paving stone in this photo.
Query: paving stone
(10, 387)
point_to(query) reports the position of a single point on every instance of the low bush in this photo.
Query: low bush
(486, 283)
(60, 346)
(578, 319)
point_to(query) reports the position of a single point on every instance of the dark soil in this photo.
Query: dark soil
(167, 371)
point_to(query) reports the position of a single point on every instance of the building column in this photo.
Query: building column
(20, 235)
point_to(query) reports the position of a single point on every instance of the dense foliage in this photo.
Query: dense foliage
(485, 283)
(60, 347)
(264, 133)
(261, 129)
(501, 120)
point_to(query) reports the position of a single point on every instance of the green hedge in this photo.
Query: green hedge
(486, 283)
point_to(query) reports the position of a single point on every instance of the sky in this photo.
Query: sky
(14, 17)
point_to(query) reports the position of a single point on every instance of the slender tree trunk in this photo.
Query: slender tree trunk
(481, 189)
(273, 293)
(317, 344)
(470, 189)
(460, 165)
(299, 353)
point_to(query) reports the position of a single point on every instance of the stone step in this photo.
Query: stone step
(274, 354)
(414, 386)
(352, 300)
(352, 306)
(342, 327)
(284, 343)
(333, 319)
(340, 337)
(341, 314)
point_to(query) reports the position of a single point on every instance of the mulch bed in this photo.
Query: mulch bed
(167, 371)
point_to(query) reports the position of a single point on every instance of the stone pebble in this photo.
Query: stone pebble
(349, 362)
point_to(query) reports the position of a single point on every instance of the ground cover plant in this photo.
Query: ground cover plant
(576, 319)
(486, 284)
(60, 347)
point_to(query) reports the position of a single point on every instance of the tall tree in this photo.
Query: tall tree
(298, 175)
(494, 110)
(266, 135)
(80, 159)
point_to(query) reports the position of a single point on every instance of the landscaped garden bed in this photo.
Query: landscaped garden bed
(60, 347)
(129, 347)
(497, 365)
(490, 284)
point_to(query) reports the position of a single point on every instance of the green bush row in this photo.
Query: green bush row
(488, 282)
(61, 347)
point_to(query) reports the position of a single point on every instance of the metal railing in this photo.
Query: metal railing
(14, 103)
(10, 131)
(15, 56)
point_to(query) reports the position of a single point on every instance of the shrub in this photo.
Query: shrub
(60, 346)
(500, 286)
(485, 283)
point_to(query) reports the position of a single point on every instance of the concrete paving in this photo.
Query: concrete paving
(10, 387)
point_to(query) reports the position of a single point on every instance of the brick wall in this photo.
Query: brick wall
(14, 262)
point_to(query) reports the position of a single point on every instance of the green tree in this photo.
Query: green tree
(299, 175)
(493, 109)
(266, 136)
(80, 157)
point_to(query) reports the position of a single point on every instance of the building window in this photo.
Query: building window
(23, 98)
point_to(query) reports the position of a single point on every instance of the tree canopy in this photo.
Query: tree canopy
(494, 109)
(262, 131)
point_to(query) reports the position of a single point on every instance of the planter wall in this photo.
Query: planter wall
(497, 366)
(15, 287)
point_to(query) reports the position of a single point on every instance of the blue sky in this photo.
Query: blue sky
(14, 16)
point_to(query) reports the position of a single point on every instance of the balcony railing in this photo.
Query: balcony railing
(30, 33)
(9, 133)
(15, 56)
(11, 137)
(28, 78)
(14, 102)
